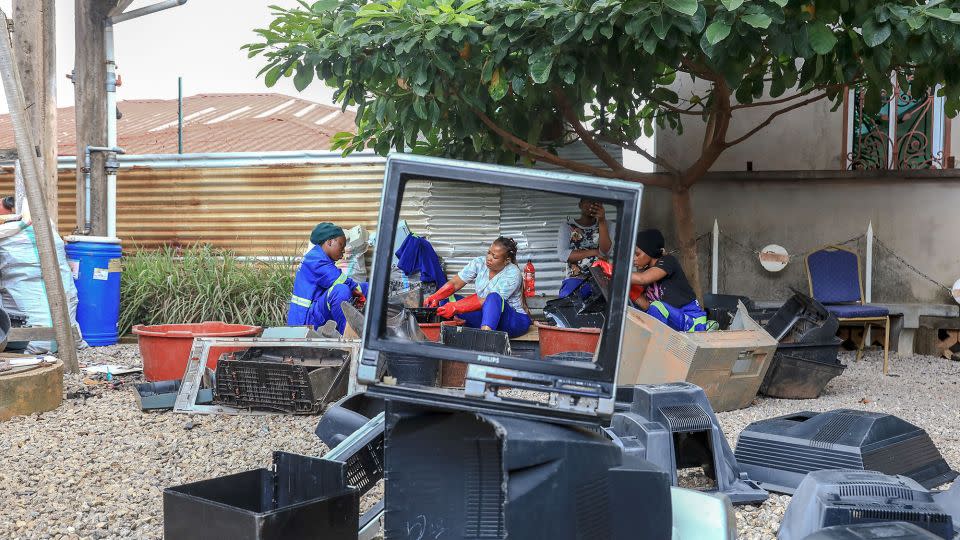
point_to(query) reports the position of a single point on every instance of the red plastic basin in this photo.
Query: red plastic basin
(165, 348)
(432, 330)
(555, 340)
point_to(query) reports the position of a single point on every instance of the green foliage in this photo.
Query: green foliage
(436, 76)
(200, 284)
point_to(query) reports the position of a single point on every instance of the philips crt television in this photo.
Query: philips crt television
(461, 207)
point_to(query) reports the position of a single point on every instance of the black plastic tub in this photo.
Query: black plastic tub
(792, 377)
(300, 498)
(417, 370)
(825, 352)
(802, 320)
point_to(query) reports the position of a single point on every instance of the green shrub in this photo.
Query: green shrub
(202, 283)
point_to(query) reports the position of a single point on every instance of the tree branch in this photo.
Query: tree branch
(656, 160)
(674, 108)
(517, 145)
(571, 117)
(786, 99)
(770, 119)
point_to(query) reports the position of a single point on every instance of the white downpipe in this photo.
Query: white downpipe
(111, 128)
(868, 269)
(715, 259)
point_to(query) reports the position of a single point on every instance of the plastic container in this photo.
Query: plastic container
(792, 377)
(413, 369)
(95, 264)
(432, 329)
(292, 388)
(165, 348)
(802, 320)
(555, 340)
(729, 365)
(825, 352)
(301, 498)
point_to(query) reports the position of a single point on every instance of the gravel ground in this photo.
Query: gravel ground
(97, 466)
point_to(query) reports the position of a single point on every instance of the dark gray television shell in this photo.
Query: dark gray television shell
(593, 383)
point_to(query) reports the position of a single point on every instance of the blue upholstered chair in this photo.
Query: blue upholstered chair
(834, 276)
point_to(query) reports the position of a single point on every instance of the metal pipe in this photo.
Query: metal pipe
(159, 6)
(111, 171)
(179, 115)
(226, 160)
(868, 294)
(111, 128)
(715, 259)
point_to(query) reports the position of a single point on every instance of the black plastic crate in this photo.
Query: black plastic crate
(292, 388)
(826, 352)
(299, 498)
(802, 319)
(426, 315)
(792, 377)
(472, 339)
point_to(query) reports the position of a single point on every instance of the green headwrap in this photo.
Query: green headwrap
(325, 231)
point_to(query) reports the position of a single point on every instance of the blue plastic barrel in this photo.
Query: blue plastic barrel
(95, 264)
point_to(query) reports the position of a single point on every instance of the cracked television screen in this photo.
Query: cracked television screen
(507, 268)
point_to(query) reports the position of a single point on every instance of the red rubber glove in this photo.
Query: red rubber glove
(445, 292)
(467, 305)
(359, 299)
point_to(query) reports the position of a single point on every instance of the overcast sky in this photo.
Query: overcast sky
(199, 41)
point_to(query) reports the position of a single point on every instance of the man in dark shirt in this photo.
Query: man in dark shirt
(668, 296)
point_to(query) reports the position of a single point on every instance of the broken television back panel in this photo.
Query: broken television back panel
(461, 208)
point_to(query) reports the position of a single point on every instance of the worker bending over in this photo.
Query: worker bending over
(320, 287)
(498, 303)
(668, 296)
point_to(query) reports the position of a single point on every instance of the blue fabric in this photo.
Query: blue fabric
(317, 275)
(417, 255)
(498, 315)
(852, 312)
(682, 319)
(569, 284)
(834, 276)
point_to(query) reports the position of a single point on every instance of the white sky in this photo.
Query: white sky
(199, 41)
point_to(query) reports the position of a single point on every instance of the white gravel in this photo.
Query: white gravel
(97, 467)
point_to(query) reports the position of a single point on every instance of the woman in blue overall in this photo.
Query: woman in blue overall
(580, 242)
(320, 288)
(669, 296)
(498, 303)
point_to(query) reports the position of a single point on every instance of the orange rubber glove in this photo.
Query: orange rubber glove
(445, 292)
(467, 305)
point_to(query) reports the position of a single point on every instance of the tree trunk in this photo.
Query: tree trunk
(687, 237)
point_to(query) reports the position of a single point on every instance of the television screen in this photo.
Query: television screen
(514, 278)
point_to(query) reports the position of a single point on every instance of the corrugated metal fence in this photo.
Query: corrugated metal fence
(270, 208)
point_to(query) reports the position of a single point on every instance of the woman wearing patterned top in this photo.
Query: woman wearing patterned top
(498, 303)
(581, 242)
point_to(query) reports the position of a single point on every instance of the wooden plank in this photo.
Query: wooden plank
(34, 47)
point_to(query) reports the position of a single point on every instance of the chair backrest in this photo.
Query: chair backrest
(834, 275)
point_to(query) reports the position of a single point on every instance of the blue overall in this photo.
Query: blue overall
(319, 288)
(569, 284)
(499, 315)
(689, 318)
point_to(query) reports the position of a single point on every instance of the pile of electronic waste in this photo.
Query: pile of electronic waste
(561, 450)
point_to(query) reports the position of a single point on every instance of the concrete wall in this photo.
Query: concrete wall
(809, 138)
(917, 216)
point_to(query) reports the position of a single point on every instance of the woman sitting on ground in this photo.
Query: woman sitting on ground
(668, 296)
(498, 303)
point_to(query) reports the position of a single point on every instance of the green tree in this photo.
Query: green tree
(510, 80)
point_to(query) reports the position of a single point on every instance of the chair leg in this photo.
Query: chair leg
(863, 342)
(886, 344)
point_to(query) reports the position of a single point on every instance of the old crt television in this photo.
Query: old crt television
(462, 207)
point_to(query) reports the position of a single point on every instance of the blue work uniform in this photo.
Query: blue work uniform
(319, 288)
(673, 301)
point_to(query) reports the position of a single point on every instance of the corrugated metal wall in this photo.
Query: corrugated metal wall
(270, 210)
